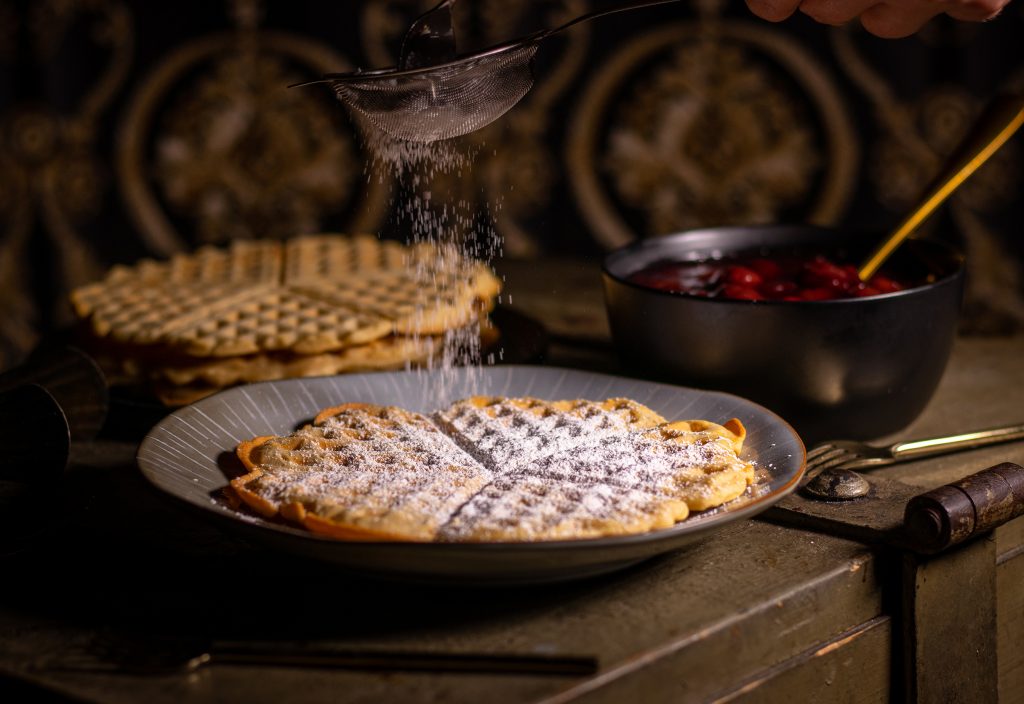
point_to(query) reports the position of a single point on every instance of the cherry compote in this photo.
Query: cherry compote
(796, 276)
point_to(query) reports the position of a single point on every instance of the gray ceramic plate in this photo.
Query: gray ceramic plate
(189, 455)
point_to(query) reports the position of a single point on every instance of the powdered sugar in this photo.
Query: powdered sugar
(580, 486)
(511, 470)
(506, 436)
(398, 473)
(432, 206)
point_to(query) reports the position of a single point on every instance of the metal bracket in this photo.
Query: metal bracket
(948, 570)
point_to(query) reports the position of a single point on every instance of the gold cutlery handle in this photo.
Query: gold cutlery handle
(966, 441)
(997, 123)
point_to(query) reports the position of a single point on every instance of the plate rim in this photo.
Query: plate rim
(686, 527)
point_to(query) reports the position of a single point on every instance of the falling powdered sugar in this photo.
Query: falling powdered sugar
(432, 206)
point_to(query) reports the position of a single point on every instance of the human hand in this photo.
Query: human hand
(884, 18)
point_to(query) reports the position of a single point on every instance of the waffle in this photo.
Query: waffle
(391, 352)
(506, 433)
(583, 469)
(361, 472)
(612, 479)
(244, 262)
(191, 380)
(258, 310)
(329, 257)
(362, 290)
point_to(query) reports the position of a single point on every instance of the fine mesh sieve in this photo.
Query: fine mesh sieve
(440, 102)
(444, 100)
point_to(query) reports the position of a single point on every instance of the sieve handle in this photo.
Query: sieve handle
(430, 39)
(621, 7)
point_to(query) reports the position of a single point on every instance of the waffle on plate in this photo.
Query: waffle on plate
(494, 469)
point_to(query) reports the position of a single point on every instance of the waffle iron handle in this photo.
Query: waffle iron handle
(951, 514)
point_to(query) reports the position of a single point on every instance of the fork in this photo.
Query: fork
(849, 454)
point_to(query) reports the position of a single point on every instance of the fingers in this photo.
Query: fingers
(884, 18)
(898, 18)
(835, 12)
(773, 10)
(973, 10)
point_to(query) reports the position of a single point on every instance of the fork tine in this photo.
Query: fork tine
(824, 453)
(819, 450)
(835, 460)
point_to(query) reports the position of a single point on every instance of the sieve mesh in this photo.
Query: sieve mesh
(435, 102)
(446, 101)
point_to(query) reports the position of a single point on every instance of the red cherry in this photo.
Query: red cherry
(824, 269)
(775, 277)
(741, 293)
(820, 274)
(743, 276)
(817, 294)
(766, 268)
(850, 273)
(884, 284)
(780, 289)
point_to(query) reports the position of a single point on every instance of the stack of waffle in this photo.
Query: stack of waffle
(260, 310)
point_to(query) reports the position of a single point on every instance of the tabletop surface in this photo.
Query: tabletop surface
(106, 559)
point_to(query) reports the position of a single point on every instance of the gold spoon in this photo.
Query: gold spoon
(997, 124)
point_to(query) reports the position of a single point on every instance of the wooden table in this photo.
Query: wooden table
(759, 612)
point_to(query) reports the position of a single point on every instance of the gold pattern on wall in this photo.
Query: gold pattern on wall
(903, 166)
(247, 159)
(51, 179)
(709, 139)
(523, 172)
(696, 124)
(236, 153)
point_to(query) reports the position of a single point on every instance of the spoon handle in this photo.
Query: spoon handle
(995, 125)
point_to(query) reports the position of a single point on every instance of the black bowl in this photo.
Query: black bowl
(854, 368)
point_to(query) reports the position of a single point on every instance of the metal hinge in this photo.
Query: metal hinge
(948, 571)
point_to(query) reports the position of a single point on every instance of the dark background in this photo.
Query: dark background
(132, 129)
